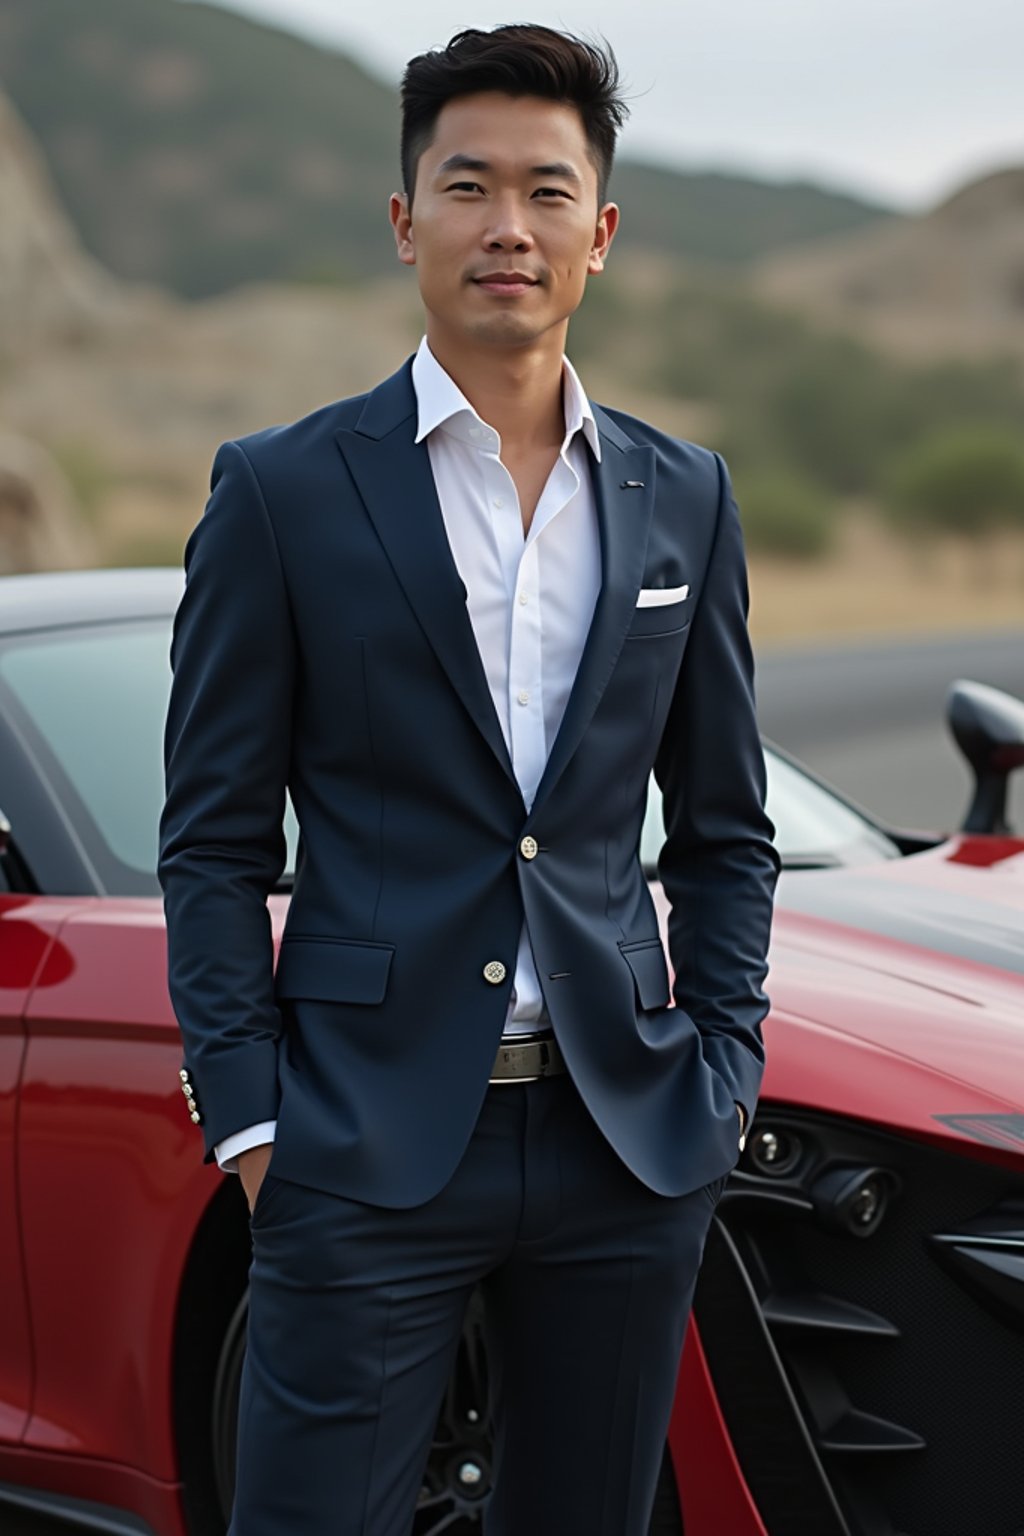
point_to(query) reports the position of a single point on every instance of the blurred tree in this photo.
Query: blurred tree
(785, 514)
(837, 409)
(808, 407)
(969, 480)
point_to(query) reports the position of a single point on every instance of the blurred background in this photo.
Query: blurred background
(820, 274)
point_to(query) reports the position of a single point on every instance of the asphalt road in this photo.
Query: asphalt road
(869, 718)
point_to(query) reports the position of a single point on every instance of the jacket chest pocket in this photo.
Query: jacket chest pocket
(666, 619)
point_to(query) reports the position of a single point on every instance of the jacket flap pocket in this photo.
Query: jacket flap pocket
(646, 960)
(336, 970)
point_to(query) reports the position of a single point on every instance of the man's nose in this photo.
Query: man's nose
(508, 230)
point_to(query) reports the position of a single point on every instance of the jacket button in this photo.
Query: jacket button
(528, 848)
(183, 1074)
(494, 972)
(195, 1117)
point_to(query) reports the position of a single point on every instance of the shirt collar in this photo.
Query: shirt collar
(440, 402)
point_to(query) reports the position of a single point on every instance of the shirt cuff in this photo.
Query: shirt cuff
(228, 1150)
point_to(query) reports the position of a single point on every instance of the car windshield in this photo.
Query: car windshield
(813, 828)
(89, 704)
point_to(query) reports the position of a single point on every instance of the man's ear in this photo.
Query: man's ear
(401, 223)
(604, 234)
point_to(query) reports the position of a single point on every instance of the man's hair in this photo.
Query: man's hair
(521, 60)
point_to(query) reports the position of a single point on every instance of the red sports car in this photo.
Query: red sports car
(855, 1361)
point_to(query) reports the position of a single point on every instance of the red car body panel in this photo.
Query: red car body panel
(873, 1028)
(862, 1025)
(713, 1493)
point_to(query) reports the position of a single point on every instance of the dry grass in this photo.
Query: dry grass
(875, 583)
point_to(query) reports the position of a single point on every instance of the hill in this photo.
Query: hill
(200, 150)
(49, 288)
(949, 282)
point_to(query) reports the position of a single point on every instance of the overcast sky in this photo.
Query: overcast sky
(901, 99)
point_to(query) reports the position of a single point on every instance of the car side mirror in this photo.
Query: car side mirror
(988, 727)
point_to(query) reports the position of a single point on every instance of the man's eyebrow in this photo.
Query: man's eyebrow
(461, 162)
(559, 168)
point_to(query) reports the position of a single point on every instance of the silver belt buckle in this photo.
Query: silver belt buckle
(529, 1053)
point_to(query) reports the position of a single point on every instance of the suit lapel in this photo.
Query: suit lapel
(624, 520)
(393, 476)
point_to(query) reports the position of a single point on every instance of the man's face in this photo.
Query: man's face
(504, 225)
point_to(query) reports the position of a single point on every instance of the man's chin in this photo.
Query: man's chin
(505, 330)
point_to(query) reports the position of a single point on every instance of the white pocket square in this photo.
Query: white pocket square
(654, 597)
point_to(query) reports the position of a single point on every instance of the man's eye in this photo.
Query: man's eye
(552, 192)
(465, 186)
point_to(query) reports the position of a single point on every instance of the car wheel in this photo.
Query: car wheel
(457, 1481)
(225, 1405)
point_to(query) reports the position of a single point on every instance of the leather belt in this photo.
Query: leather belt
(526, 1060)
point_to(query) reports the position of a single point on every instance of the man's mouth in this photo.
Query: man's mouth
(508, 283)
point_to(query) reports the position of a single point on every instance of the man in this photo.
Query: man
(461, 617)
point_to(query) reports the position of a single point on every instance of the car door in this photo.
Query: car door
(23, 946)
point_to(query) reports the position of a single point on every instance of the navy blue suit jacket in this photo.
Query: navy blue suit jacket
(323, 643)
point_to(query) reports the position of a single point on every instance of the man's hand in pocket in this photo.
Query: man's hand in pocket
(252, 1165)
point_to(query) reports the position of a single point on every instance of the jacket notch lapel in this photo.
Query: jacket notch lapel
(393, 476)
(624, 496)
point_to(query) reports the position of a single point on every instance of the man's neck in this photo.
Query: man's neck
(517, 391)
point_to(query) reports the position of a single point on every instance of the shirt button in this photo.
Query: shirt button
(529, 847)
(494, 972)
(523, 599)
(522, 697)
(499, 501)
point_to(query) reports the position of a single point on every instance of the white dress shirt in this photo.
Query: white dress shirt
(530, 598)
